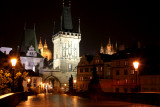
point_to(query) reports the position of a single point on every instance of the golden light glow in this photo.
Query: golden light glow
(136, 64)
(65, 84)
(75, 81)
(14, 61)
(29, 80)
(5, 95)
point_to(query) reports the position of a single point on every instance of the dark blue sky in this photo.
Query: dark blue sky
(123, 21)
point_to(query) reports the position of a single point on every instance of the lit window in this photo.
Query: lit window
(125, 63)
(96, 68)
(132, 71)
(101, 68)
(70, 67)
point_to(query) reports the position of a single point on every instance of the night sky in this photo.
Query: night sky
(126, 22)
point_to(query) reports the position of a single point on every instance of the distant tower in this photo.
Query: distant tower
(40, 46)
(66, 46)
(102, 49)
(109, 48)
(45, 52)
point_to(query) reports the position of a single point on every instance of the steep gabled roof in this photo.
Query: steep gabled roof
(29, 38)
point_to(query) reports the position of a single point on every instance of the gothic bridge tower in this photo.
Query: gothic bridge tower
(66, 48)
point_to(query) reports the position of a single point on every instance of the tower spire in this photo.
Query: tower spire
(34, 27)
(79, 28)
(25, 26)
(40, 42)
(54, 28)
(61, 23)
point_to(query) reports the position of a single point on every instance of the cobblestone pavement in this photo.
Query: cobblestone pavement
(63, 100)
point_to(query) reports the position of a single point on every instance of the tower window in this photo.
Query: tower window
(70, 67)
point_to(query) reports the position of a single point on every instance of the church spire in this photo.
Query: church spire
(79, 27)
(102, 49)
(45, 44)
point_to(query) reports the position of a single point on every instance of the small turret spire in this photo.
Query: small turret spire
(34, 26)
(109, 41)
(61, 23)
(116, 46)
(54, 28)
(79, 28)
(25, 26)
(40, 42)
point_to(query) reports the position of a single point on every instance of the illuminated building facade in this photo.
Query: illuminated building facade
(103, 69)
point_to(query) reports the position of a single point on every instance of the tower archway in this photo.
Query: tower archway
(52, 84)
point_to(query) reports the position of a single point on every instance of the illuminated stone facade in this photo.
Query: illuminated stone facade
(45, 52)
(31, 60)
(66, 51)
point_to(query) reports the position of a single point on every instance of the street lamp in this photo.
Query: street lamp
(65, 87)
(75, 81)
(13, 62)
(29, 84)
(136, 65)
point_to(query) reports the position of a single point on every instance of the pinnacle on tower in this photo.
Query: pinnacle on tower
(79, 27)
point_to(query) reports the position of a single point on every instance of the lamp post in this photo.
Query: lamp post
(136, 65)
(13, 61)
(65, 87)
(29, 84)
(75, 81)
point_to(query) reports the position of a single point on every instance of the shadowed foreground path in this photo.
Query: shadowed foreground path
(63, 100)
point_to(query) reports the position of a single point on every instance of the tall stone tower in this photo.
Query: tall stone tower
(66, 46)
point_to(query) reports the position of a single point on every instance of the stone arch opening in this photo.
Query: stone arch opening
(52, 84)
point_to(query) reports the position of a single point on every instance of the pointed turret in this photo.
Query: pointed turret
(79, 27)
(54, 28)
(29, 39)
(45, 44)
(102, 49)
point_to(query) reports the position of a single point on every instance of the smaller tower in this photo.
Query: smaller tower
(102, 49)
(40, 46)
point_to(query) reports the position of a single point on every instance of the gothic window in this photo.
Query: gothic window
(118, 63)
(97, 69)
(86, 69)
(70, 67)
(117, 72)
(81, 70)
(101, 69)
(125, 72)
(125, 63)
